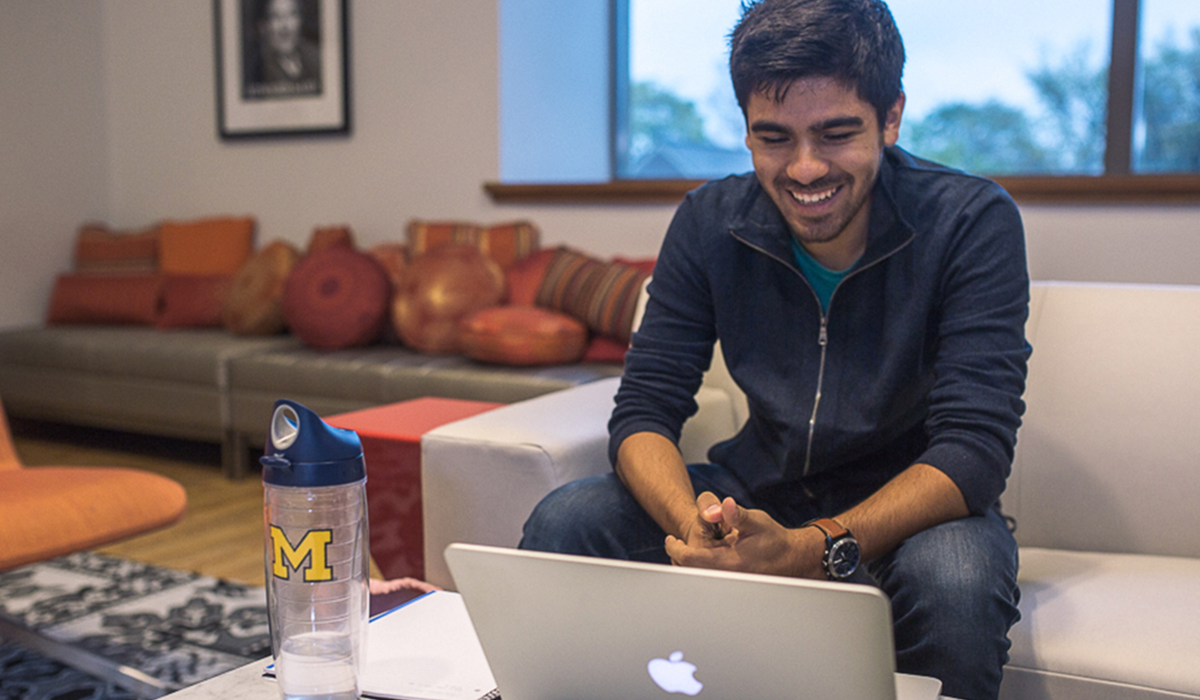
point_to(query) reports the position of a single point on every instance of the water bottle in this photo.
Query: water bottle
(316, 554)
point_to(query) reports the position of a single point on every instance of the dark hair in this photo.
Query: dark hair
(853, 41)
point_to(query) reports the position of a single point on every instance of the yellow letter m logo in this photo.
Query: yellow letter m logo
(313, 547)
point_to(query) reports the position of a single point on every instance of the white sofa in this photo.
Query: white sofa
(1105, 487)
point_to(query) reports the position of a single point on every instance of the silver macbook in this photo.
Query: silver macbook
(555, 626)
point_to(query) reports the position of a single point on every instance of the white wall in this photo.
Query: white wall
(52, 131)
(107, 111)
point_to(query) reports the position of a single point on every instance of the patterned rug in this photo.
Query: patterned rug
(178, 627)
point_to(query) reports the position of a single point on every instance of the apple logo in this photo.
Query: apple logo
(674, 675)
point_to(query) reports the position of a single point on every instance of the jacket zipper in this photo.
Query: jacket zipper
(823, 341)
(822, 335)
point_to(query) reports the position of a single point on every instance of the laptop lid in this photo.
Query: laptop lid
(556, 626)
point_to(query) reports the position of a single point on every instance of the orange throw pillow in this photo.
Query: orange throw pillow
(100, 251)
(522, 335)
(438, 289)
(127, 299)
(217, 246)
(252, 306)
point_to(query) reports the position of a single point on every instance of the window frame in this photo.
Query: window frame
(1118, 184)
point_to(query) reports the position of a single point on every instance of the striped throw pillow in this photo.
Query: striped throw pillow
(505, 243)
(601, 294)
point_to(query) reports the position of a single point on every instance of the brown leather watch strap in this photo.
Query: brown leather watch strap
(832, 528)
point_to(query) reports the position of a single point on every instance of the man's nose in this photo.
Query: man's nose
(807, 165)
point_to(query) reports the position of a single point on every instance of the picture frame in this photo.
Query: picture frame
(282, 67)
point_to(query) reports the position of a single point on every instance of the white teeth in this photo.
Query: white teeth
(813, 198)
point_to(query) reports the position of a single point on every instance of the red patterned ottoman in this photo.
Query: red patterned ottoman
(391, 440)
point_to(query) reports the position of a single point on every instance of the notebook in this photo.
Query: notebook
(555, 626)
(424, 649)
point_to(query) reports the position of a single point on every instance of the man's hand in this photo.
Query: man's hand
(750, 541)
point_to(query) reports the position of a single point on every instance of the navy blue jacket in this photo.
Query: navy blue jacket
(920, 359)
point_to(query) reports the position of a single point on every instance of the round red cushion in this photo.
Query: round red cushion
(337, 298)
(523, 335)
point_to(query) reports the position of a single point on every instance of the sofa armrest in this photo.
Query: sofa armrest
(482, 476)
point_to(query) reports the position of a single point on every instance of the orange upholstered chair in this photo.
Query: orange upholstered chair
(46, 512)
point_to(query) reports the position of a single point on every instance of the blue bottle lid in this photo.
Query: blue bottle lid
(303, 450)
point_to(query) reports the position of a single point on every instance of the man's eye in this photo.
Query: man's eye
(772, 138)
(838, 136)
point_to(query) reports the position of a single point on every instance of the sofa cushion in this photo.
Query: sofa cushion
(254, 303)
(1105, 625)
(1112, 396)
(119, 299)
(100, 251)
(522, 335)
(505, 243)
(336, 298)
(213, 246)
(602, 295)
(193, 301)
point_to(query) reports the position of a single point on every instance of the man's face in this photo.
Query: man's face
(283, 25)
(817, 154)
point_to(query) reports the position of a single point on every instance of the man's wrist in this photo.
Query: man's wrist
(808, 553)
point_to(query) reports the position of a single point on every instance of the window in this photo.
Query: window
(1014, 88)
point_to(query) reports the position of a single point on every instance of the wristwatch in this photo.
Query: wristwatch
(842, 552)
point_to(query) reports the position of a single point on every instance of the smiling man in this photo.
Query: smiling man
(871, 305)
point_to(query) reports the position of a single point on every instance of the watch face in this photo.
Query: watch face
(843, 557)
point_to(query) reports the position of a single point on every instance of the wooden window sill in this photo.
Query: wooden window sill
(1103, 189)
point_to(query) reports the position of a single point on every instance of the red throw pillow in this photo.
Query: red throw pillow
(252, 306)
(337, 298)
(522, 335)
(127, 299)
(602, 295)
(604, 349)
(193, 301)
(438, 289)
(524, 277)
(329, 236)
(393, 257)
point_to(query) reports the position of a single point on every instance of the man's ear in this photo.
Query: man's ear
(891, 122)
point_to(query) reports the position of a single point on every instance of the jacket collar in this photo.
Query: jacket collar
(759, 223)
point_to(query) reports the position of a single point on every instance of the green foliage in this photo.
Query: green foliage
(1067, 135)
(986, 138)
(1064, 134)
(658, 117)
(1171, 108)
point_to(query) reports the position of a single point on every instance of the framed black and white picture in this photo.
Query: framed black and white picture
(282, 67)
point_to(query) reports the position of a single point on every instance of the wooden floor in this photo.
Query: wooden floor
(222, 533)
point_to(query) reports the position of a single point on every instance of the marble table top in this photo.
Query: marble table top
(245, 683)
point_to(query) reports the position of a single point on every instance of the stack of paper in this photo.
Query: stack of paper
(425, 649)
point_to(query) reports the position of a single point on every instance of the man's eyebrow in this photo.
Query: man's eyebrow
(766, 125)
(847, 122)
(838, 123)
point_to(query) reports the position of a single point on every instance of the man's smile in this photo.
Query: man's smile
(813, 198)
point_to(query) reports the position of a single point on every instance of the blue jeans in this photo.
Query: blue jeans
(953, 587)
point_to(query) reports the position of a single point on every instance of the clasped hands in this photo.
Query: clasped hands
(726, 536)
